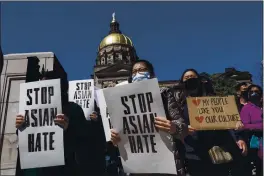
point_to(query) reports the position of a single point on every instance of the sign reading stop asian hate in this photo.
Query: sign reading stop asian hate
(41, 141)
(143, 148)
(213, 113)
(82, 93)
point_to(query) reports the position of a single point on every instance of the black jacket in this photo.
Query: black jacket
(91, 146)
(174, 114)
(81, 147)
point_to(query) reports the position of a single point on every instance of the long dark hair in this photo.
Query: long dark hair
(247, 93)
(238, 86)
(207, 83)
(187, 70)
(148, 65)
(206, 86)
(257, 86)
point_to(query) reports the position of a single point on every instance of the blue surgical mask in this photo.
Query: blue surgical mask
(255, 98)
(254, 94)
(140, 76)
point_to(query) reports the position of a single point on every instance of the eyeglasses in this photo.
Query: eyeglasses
(139, 70)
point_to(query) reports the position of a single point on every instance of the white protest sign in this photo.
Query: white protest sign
(95, 95)
(41, 142)
(104, 113)
(82, 93)
(122, 83)
(100, 100)
(132, 109)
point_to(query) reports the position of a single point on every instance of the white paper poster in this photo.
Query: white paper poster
(41, 142)
(104, 113)
(95, 95)
(132, 109)
(82, 93)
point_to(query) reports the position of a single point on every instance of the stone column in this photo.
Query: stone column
(14, 73)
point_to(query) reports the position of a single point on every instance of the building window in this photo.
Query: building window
(103, 61)
(110, 59)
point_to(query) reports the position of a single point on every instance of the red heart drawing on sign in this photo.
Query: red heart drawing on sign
(196, 102)
(199, 119)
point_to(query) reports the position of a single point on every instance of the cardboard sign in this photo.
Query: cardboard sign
(213, 113)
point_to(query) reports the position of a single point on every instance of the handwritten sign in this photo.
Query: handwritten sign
(82, 93)
(132, 108)
(41, 141)
(208, 113)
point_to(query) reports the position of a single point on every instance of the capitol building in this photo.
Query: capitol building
(115, 56)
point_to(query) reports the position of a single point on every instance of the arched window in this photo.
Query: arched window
(103, 61)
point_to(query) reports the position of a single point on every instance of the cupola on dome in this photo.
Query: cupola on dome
(115, 36)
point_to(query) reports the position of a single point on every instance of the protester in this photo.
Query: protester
(69, 132)
(241, 91)
(175, 125)
(83, 146)
(255, 95)
(198, 143)
(252, 118)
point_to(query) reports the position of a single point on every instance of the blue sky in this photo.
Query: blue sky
(207, 36)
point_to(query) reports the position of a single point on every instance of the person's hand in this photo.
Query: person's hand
(93, 116)
(191, 130)
(20, 120)
(243, 146)
(165, 125)
(62, 120)
(239, 125)
(115, 138)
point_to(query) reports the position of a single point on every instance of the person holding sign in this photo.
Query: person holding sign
(201, 146)
(173, 124)
(241, 94)
(70, 128)
(84, 140)
(90, 154)
(252, 118)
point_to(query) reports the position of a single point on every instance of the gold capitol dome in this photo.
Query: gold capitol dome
(115, 36)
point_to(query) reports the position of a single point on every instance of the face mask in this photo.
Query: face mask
(192, 84)
(244, 95)
(193, 87)
(140, 76)
(255, 98)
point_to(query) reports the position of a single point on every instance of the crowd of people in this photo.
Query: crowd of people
(88, 153)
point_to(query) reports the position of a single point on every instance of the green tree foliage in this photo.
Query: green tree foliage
(204, 74)
(222, 85)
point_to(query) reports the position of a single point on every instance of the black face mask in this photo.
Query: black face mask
(193, 86)
(192, 83)
(255, 98)
(244, 94)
